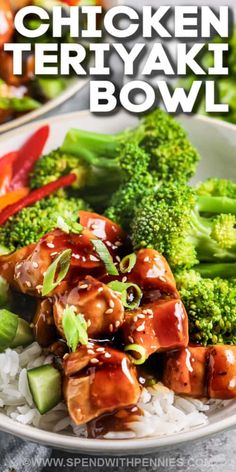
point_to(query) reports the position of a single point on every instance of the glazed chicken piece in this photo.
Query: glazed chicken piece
(158, 326)
(202, 371)
(6, 70)
(186, 371)
(9, 262)
(222, 372)
(98, 380)
(29, 271)
(110, 233)
(43, 324)
(102, 307)
(152, 273)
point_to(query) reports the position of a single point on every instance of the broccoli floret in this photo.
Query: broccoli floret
(184, 227)
(171, 155)
(51, 167)
(157, 149)
(137, 182)
(125, 200)
(211, 307)
(217, 188)
(31, 223)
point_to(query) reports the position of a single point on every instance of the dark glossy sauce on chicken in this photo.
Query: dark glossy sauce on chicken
(101, 376)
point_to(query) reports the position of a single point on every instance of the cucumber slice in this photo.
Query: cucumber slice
(14, 331)
(24, 334)
(45, 387)
(8, 328)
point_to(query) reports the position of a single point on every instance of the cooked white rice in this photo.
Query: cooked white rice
(163, 412)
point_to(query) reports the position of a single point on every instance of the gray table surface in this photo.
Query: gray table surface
(211, 455)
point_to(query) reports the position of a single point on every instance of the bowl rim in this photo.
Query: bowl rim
(74, 87)
(103, 446)
(77, 114)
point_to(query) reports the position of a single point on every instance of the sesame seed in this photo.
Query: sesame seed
(50, 245)
(111, 327)
(93, 258)
(146, 259)
(141, 315)
(31, 325)
(109, 311)
(141, 327)
(100, 289)
(135, 318)
(28, 283)
(35, 265)
(94, 361)
(117, 324)
(108, 243)
(90, 351)
(162, 279)
(111, 304)
(131, 339)
(100, 349)
(118, 258)
(66, 355)
(94, 226)
(76, 256)
(89, 323)
(148, 311)
(54, 253)
(107, 355)
(83, 286)
(39, 287)
(17, 275)
(118, 243)
(124, 279)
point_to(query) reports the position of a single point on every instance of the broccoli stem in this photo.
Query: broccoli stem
(216, 205)
(207, 248)
(212, 270)
(96, 149)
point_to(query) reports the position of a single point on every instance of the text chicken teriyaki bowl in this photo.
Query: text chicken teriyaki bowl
(118, 281)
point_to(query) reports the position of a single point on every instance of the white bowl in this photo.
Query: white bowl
(216, 141)
(74, 85)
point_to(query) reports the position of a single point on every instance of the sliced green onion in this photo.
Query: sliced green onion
(51, 281)
(69, 226)
(139, 350)
(127, 263)
(105, 256)
(75, 328)
(131, 294)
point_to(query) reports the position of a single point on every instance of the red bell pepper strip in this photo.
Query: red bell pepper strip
(27, 155)
(35, 196)
(5, 179)
(8, 158)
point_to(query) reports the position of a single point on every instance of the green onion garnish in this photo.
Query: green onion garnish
(139, 350)
(75, 328)
(69, 226)
(51, 281)
(131, 294)
(105, 256)
(127, 263)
